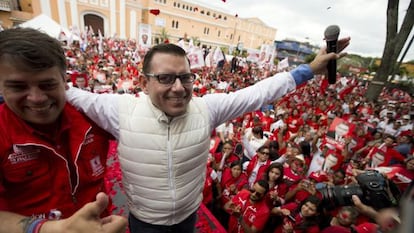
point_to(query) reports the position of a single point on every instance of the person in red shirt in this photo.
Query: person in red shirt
(52, 158)
(295, 169)
(382, 155)
(266, 120)
(224, 158)
(210, 181)
(294, 122)
(299, 219)
(277, 191)
(258, 165)
(277, 186)
(249, 211)
(302, 190)
(233, 180)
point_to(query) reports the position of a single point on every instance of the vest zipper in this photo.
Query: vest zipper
(170, 171)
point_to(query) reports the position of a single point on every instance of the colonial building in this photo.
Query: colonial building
(158, 19)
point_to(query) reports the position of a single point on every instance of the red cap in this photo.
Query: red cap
(318, 176)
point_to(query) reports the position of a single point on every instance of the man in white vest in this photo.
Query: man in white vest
(164, 135)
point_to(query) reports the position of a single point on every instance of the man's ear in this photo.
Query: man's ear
(144, 85)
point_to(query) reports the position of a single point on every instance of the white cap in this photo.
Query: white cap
(300, 157)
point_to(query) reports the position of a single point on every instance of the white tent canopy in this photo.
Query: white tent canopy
(47, 25)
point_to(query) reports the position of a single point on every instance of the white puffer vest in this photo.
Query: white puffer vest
(163, 162)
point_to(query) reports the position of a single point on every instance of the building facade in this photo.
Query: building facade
(295, 51)
(162, 19)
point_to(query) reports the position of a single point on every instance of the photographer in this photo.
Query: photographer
(387, 219)
(373, 195)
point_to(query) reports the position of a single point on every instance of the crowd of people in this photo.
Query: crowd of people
(269, 151)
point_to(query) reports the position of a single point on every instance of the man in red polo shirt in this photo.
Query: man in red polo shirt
(248, 210)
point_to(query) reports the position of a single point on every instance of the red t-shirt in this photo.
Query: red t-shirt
(228, 180)
(254, 214)
(279, 189)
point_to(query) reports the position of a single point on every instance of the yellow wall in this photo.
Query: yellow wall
(252, 32)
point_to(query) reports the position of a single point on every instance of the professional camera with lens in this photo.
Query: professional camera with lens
(371, 189)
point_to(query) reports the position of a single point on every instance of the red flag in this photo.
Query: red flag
(155, 11)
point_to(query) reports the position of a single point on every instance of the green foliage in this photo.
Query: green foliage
(310, 58)
(164, 34)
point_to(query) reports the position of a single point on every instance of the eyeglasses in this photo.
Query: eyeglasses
(169, 79)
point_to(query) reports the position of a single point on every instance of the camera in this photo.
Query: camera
(371, 189)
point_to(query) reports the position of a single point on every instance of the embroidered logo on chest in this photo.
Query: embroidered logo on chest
(97, 167)
(88, 139)
(22, 154)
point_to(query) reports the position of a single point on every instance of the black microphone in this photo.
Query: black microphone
(331, 37)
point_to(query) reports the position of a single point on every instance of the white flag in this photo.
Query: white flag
(196, 58)
(217, 56)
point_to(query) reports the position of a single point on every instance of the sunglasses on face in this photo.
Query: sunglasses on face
(258, 194)
(169, 79)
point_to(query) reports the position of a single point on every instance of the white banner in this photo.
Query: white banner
(144, 35)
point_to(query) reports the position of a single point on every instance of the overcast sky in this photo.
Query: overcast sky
(306, 20)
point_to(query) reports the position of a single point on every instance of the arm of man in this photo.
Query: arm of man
(85, 220)
(224, 106)
(101, 108)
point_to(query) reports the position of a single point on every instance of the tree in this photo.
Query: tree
(394, 43)
(164, 35)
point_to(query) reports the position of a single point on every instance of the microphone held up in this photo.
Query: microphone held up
(331, 37)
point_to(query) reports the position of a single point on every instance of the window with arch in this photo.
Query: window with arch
(218, 33)
(173, 23)
(176, 24)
